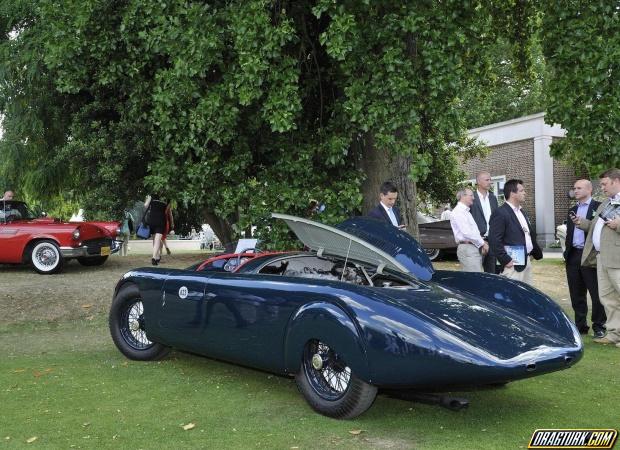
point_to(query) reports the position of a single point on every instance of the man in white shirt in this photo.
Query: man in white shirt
(8, 195)
(446, 213)
(471, 246)
(602, 249)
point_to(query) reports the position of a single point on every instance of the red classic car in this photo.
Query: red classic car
(47, 243)
(228, 262)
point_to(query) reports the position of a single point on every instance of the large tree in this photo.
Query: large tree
(581, 42)
(238, 108)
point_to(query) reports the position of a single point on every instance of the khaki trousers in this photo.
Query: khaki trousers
(469, 257)
(525, 275)
(609, 293)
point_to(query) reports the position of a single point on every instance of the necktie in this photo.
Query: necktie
(392, 217)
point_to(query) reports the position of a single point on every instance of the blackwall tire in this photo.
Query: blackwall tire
(332, 390)
(45, 257)
(127, 327)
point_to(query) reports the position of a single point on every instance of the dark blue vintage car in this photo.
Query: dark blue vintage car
(362, 310)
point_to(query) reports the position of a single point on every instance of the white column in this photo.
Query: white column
(543, 179)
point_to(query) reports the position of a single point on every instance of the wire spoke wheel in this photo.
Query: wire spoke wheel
(329, 385)
(128, 327)
(45, 257)
(132, 326)
(328, 374)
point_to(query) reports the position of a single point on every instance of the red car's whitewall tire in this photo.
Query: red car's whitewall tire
(45, 257)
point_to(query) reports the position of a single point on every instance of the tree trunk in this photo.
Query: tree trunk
(222, 230)
(381, 165)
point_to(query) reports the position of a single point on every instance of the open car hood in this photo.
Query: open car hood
(366, 240)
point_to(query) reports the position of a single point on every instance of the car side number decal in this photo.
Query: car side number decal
(183, 292)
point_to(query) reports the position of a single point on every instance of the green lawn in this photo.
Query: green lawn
(63, 382)
(68, 386)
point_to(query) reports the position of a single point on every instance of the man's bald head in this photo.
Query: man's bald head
(582, 189)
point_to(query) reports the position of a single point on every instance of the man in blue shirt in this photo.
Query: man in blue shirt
(582, 279)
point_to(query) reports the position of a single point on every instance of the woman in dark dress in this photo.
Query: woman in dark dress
(157, 222)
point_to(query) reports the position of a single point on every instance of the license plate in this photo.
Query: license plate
(105, 251)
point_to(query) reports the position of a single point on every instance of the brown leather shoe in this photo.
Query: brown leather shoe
(604, 341)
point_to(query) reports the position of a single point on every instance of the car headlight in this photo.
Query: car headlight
(76, 234)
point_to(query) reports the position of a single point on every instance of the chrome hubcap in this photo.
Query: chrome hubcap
(46, 257)
(317, 362)
(134, 325)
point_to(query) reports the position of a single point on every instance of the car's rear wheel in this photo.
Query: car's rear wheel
(432, 253)
(92, 261)
(127, 327)
(329, 385)
(45, 257)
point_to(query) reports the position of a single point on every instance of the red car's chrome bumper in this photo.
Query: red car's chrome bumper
(91, 249)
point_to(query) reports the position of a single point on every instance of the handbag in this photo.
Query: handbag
(143, 231)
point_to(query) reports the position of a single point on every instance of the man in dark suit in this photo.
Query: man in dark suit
(484, 204)
(511, 236)
(582, 279)
(601, 250)
(386, 210)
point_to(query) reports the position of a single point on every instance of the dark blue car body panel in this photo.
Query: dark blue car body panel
(456, 329)
(400, 244)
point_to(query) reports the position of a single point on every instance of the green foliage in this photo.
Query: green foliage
(238, 108)
(581, 43)
(505, 93)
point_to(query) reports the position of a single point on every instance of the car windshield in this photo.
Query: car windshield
(12, 210)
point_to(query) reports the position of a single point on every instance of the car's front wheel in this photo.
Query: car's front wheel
(127, 327)
(329, 386)
(92, 261)
(46, 258)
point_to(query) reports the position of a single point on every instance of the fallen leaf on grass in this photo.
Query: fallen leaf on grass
(31, 440)
(90, 317)
(19, 370)
(86, 306)
(189, 426)
(356, 432)
(37, 374)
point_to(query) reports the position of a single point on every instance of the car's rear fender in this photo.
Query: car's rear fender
(331, 325)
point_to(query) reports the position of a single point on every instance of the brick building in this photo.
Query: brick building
(520, 149)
